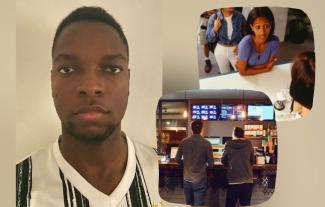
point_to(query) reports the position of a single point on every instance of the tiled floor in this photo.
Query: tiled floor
(215, 197)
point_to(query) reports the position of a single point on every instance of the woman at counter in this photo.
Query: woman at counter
(302, 83)
(257, 51)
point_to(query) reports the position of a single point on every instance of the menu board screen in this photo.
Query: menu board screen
(205, 112)
(260, 112)
(232, 112)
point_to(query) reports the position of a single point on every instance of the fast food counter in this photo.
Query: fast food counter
(171, 175)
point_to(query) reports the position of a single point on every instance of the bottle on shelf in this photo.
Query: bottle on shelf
(275, 131)
(267, 155)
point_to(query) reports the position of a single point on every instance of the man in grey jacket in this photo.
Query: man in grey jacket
(239, 158)
(197, 153)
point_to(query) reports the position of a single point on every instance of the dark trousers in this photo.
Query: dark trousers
(241, 192)
(195, 192)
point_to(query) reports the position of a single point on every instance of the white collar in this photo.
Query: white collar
(96, 197)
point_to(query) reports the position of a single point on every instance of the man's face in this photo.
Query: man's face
(90, 80)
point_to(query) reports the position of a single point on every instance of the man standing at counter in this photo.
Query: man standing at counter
(92, 163)
(196, 152)
(239, 158)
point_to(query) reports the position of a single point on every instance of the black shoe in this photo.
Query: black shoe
(208, 66)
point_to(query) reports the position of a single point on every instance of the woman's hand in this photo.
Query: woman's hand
(244, 69)
(236, 50)
(216, 24)
(271, 63)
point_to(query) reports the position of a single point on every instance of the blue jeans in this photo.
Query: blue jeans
(195, 192)
(241, 192)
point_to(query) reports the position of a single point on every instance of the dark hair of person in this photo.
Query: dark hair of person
(95, 14)
(257, 12)
(197, 126)
(238, 132)
(303, 79)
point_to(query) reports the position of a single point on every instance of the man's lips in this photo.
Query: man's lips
(90, 112)
(90, 115)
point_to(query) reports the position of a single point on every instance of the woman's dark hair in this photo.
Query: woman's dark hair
(196, 126)
(257, 12)
(303, 79)
(238, 132)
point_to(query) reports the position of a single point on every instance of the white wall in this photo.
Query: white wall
(36, 121)
(221, 128)
(7, 103)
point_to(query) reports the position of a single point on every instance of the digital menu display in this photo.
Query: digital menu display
(232, 112)
(260, 112)
(235, 112)
(205, 112)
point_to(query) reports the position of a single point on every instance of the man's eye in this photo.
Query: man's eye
(257, 27)
(113, 69)
(66, 69)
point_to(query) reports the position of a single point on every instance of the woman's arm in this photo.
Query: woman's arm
(244, 69)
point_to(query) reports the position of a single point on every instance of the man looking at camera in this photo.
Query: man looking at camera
(92, 163)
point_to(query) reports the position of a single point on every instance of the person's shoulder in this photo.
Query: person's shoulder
(186, 139)
(274, 42)
(145, 151)
(237, 13)
(27, 161)
(246, 41)
(213, 16)
(41, 160)
(205, 140)
(147, 161)
(244, 142)
(274, 39)
(43, 152)
(229, 142)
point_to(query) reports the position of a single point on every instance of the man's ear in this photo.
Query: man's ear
(129, 73)
(51, 71)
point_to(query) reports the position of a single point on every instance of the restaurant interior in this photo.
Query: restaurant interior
(220, 111)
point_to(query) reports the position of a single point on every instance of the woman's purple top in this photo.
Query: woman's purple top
(247, 52)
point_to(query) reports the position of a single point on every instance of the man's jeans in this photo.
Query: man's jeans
(195, 192)
(241, 192)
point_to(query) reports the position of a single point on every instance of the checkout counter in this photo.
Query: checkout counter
(171, 176)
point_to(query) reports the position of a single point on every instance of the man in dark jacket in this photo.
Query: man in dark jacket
(239, 158)
(197, 153)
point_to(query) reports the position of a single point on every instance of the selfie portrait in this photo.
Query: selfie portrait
(79, 79)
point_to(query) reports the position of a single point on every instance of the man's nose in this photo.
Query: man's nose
(91, 84)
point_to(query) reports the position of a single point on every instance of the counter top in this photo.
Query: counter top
(175, 165)
(171, 175)
(271, 83)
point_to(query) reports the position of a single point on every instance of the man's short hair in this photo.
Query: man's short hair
(238, 132)
(197, 126)
(94, 14)
(303, 79)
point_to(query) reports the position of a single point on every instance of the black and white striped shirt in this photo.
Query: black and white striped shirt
(46, 179)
